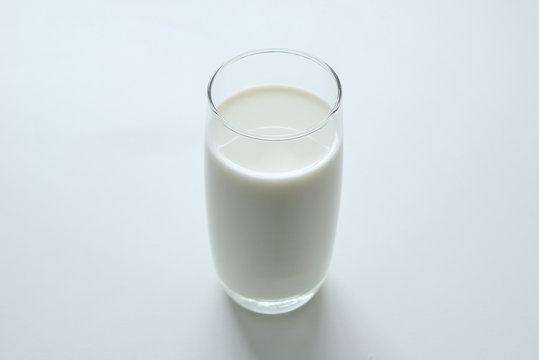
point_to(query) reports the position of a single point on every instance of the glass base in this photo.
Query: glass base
(278, 306)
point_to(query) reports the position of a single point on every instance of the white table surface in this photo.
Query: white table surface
(104, 252)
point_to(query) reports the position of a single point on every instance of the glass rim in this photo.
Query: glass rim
(336, 106)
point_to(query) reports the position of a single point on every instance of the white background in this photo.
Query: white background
(104, 251)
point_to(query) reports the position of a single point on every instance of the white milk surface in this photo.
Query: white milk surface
(272, 205)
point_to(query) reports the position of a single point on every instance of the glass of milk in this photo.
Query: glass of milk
(273, 155)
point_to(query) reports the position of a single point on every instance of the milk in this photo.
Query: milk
(273, 205)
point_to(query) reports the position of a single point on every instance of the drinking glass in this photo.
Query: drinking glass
(273, 165)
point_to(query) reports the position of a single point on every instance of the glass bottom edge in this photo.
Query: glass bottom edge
(272, 307)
